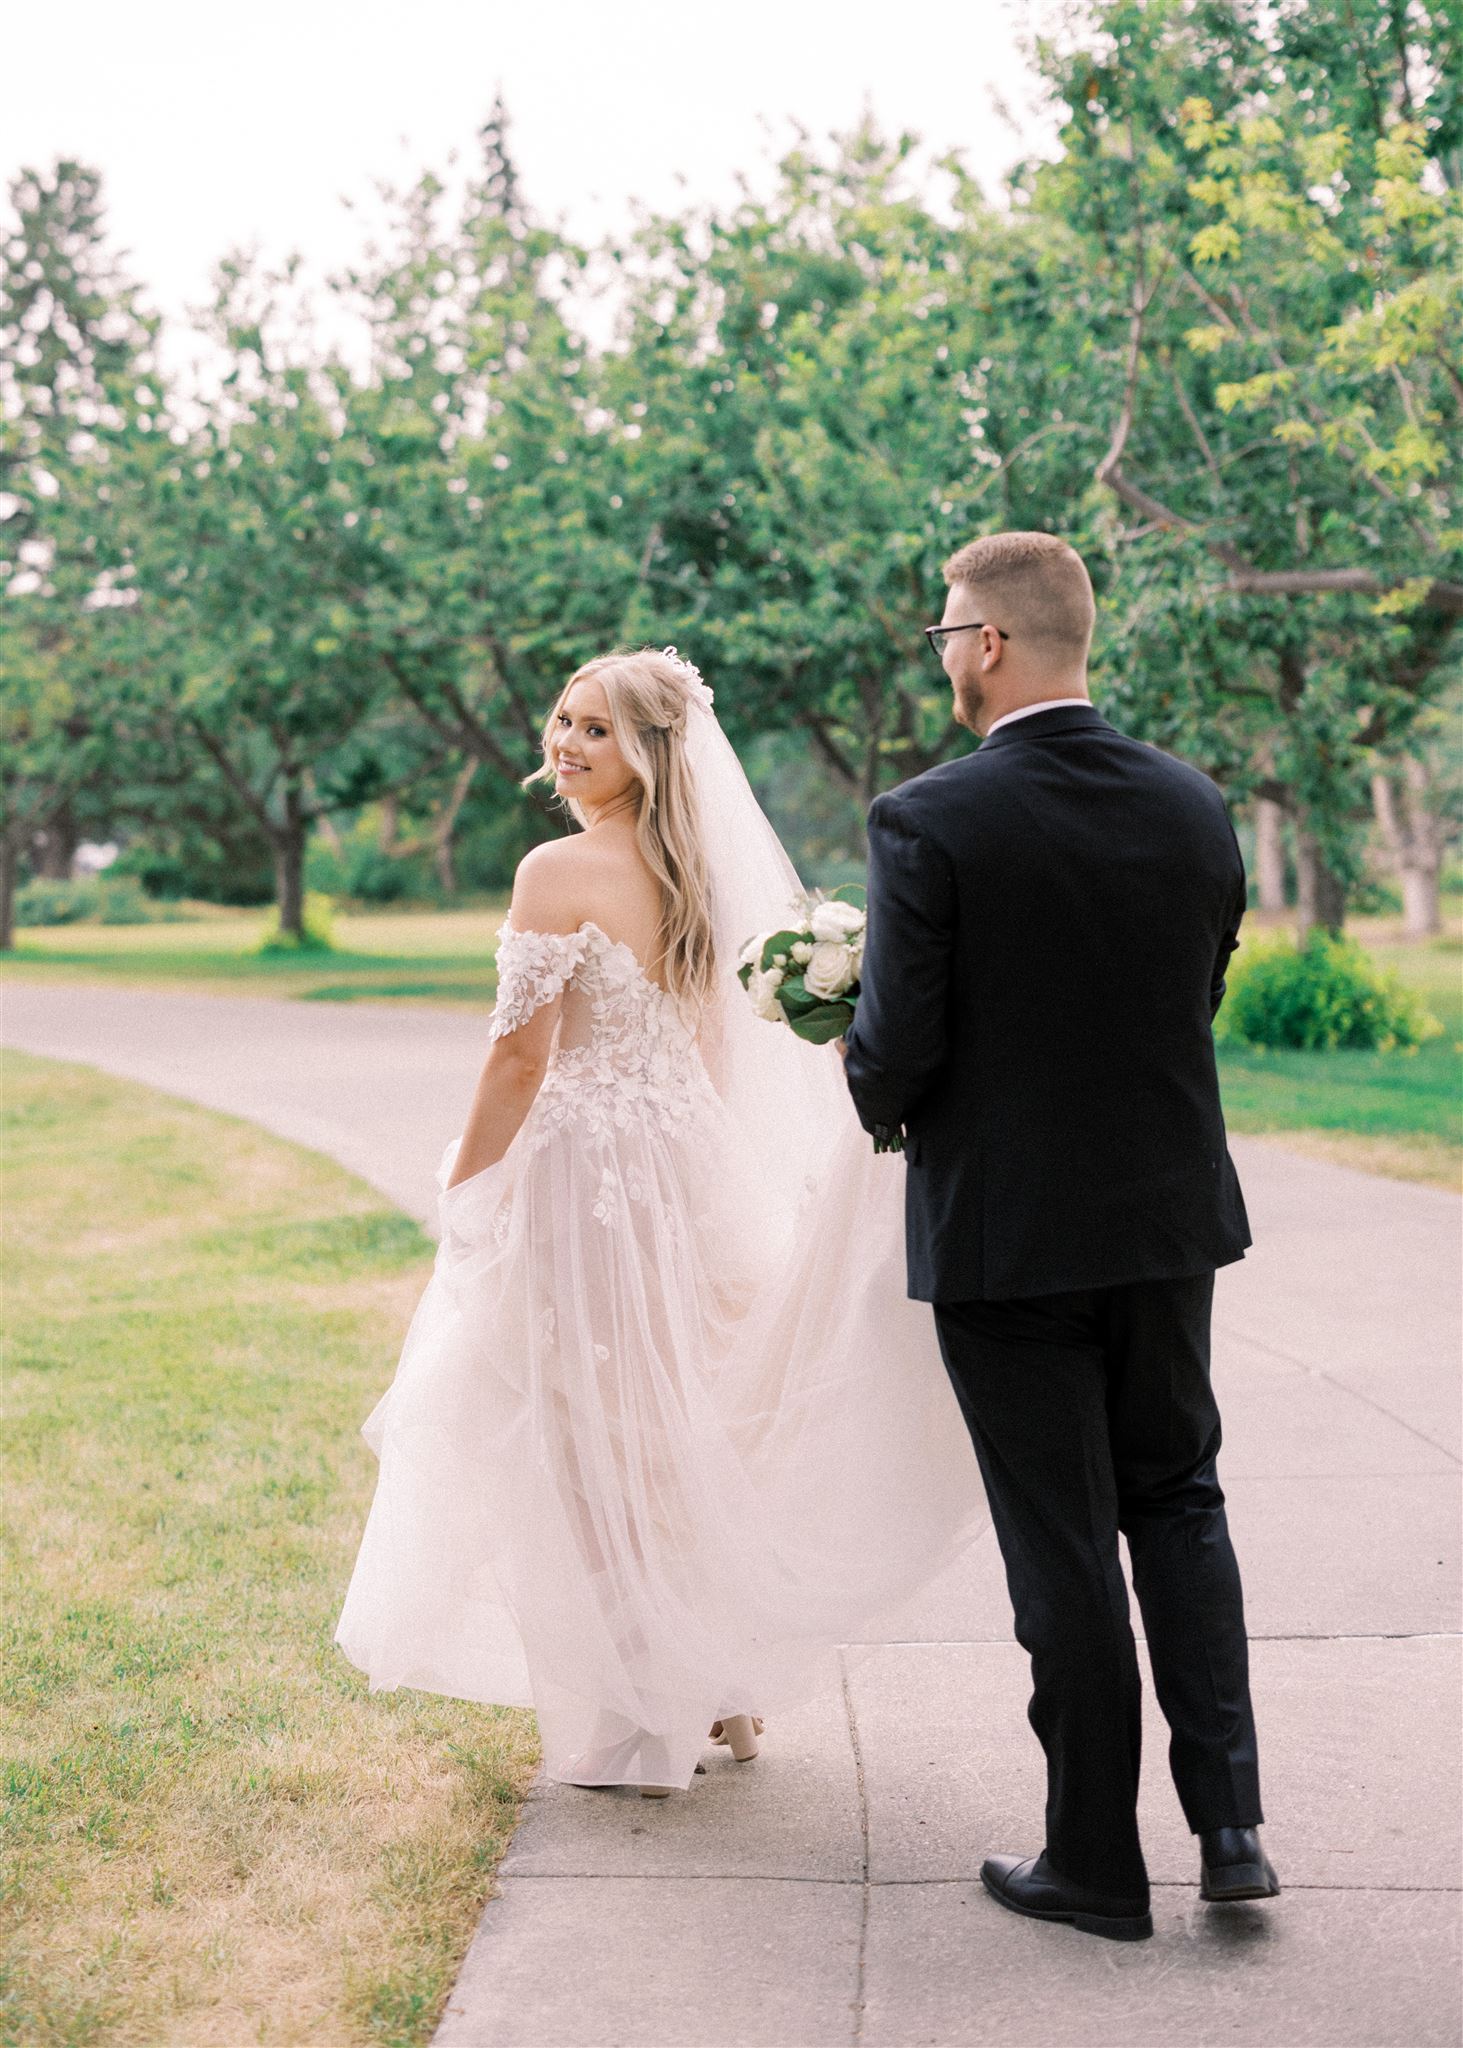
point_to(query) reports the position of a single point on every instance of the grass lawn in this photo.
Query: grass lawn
(439, 956)
(1399, 1113)
(214, 1835)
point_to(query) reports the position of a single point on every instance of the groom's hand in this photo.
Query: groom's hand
(842, 1048)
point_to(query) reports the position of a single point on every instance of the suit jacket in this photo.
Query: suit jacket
(1049, 924)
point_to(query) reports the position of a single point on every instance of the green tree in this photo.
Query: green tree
(251, 563)
(815, 409)
(491, 561)
(79, 403)
(1273, 233)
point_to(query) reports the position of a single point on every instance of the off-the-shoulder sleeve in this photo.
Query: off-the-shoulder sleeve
(532, 968)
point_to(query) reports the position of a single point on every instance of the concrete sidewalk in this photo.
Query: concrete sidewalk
(829, 1893)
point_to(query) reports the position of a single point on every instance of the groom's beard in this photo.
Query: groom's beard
(969, 703)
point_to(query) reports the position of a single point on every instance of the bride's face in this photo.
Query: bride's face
(588, 764)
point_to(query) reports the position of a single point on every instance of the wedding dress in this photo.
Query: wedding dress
(665, 1431)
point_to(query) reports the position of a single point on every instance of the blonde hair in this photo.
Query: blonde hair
(1036, 584)
(649, 702)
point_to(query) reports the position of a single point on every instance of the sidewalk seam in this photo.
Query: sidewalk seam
(872, 1884)
(1408, 1635)
(863, 1812)
(1319, 1372)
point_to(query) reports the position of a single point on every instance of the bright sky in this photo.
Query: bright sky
(219, 127)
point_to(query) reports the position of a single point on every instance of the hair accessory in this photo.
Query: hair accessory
(696, 685)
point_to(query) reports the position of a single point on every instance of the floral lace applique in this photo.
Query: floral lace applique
(532, 968)
(607, 1204)
(624, 1055)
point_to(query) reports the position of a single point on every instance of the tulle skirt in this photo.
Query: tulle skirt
(649, 1458)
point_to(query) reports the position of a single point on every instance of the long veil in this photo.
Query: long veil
(834, 1389)
(787, 1095)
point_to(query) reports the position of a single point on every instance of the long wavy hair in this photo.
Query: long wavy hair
(648, 702)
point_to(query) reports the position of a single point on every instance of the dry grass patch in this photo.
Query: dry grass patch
(1415, 1155)
(213, 1834)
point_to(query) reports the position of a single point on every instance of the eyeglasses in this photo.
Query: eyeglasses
(937, 635)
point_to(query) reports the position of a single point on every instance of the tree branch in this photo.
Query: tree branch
(828, 747)
(238, 782)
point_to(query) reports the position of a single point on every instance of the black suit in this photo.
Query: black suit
(1049, 923)
(1050, 920)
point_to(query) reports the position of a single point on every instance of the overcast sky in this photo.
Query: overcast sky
(217, 127)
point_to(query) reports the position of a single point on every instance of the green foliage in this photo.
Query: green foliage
(1215, 343)
(221, 861)
(1321, 996)
(1267, 206)
(93, 899)
(78, 406)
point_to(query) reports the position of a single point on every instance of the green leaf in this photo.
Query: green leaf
(827, 1022)
(778, 942)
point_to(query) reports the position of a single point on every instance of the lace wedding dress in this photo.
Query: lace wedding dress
(666, 1430)
(643, 1464)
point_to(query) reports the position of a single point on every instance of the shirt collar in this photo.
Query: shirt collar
(1026, 710)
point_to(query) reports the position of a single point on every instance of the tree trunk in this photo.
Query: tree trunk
(289, 864)
(446, 825)
(1413, 837)
(1320, 893)
(1422, 908)
(7, 893)
(1270, 853)
(54, 846)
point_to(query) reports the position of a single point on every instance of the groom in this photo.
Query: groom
(1049, 922)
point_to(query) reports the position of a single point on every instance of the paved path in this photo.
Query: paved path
(828, 1893)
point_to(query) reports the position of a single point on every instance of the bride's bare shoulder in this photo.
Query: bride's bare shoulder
(561, 882)
(601, 878)
(548, 888)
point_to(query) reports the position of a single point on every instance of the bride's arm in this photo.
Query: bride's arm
(513, 1071)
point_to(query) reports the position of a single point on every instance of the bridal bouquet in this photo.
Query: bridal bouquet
(807, 974)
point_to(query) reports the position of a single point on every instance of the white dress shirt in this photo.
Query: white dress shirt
(1047, 704)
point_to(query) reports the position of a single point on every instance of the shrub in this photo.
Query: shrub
(90, 899)
(361, 871)
(319, 933)
(1326, 994)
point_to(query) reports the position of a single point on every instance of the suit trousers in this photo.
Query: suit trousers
(1091, 1412)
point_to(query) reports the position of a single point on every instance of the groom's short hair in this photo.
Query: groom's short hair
(1034, 584)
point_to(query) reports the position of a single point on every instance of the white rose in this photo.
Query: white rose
(752, 951)
(763, 992)
(774, 975)
(802, 952)
(830, 969)
(835, 920)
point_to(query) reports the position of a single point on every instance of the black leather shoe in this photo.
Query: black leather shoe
(1030, 1887)
(1232, 1865)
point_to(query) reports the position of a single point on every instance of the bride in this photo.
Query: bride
(665, 1431)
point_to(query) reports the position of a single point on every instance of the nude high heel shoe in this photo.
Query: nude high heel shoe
(739, 1732)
